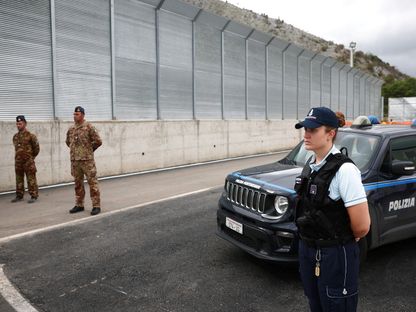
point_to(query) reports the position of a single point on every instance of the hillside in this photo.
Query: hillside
(367, 62)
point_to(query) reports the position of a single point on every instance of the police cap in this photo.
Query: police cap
(319, 116)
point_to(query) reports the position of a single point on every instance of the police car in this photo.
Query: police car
(257, 207)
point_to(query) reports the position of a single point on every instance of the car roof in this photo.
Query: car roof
(382, 130)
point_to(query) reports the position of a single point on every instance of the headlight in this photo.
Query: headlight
(281, 204)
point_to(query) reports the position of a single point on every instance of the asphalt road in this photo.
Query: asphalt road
(52, 207)
(166, 257)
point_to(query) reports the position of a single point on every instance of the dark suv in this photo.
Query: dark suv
(257, 208)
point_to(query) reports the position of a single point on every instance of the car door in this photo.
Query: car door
(397, 194)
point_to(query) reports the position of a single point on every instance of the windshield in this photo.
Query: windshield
(359, 147)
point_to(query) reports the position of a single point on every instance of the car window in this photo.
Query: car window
(302, 156)
(404, 149)
(359, 147)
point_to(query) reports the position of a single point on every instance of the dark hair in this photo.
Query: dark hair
(341, 119)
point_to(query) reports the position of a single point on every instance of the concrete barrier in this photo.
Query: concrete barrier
(130, 146)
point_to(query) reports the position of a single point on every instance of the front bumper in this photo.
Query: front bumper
(272, 242)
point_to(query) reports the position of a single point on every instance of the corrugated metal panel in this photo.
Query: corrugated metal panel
(238, 29)
(181, 8)
(207, 72)
(375, 99)
(362, 94)
(290, 82)
(256, 80)
(175, 66)
(153, 3)
(279, 44)
(260, 37)
(25, 60)
(304, 73)
(343, 90)
(349, 113)
(357, 87)
(83, 65)
(326, 85)
(378, 98)
(135, 60)
(371, 97)
(274, 87)
(213, 20)
(234, 76)
(316, 70)
(335, 86)
(83, 61)
(367, 96)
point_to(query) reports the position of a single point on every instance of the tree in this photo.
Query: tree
(400, 88)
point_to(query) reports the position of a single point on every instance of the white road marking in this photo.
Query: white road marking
(157, 170)
(12, 296)
(101, 215)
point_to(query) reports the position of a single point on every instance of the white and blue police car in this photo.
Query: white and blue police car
(257, 207)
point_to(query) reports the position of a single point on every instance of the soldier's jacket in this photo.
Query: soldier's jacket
(26, 146)
(83, 140)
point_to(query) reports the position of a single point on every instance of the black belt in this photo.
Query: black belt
(316, 243)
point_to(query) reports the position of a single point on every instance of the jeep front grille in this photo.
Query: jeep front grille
(246, 197)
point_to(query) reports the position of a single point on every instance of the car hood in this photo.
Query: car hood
(272, 176)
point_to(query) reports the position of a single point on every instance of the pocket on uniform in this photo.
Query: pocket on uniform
(342, 299)
(341, 292)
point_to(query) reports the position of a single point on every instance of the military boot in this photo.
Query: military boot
(76, 209)
(95, 211)
(32, 200)
(16, 199)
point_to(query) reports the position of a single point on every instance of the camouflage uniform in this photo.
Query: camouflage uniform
(83, 140)
(26, 146)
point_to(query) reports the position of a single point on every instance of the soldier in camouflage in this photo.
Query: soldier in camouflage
(83, 139)
(26, 147)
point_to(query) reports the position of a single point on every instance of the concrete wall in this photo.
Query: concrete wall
(142, 145)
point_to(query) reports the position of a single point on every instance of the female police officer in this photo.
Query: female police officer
(332, 215)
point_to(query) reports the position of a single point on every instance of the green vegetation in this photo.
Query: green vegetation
(399, 88)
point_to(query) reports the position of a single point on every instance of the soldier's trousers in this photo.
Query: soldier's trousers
(79, 168)
(27, 167)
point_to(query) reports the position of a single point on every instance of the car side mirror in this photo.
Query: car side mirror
(402, 167)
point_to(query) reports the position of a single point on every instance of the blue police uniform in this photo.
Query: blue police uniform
(336, 286)
(328, 252)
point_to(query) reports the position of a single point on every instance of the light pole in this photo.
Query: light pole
(352, 49)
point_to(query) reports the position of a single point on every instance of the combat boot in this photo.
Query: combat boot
(76, 209)
(32, 200)
(95, 211)
(16, 199)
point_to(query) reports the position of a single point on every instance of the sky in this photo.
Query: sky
(386, 28)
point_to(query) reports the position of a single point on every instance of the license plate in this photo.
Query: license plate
(234, 225)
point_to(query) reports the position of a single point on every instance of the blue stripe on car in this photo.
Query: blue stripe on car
(378, 185)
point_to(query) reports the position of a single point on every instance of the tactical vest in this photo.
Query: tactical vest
(317, 215)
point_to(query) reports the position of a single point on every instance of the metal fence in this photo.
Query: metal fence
(162, 59)
(402, 109)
